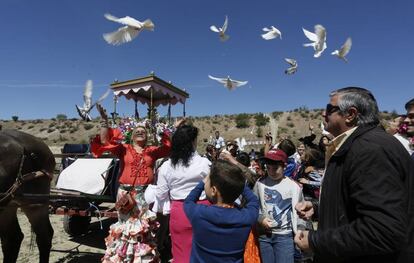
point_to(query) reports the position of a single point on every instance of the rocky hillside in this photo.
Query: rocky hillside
(252, 127)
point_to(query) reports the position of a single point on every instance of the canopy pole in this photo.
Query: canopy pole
(114, 114)
(184, 109)
(169, 112)
(151, 107)
(136, 111)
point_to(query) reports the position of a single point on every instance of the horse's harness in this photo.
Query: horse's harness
(22, 178)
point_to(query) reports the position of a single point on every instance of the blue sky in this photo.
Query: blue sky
(50, 48)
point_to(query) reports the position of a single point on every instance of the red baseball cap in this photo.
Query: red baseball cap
(276, 155)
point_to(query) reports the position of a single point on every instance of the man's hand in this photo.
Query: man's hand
(226, 155)
(304, 209)
(303, 181)
(302, 241)
(267, 223)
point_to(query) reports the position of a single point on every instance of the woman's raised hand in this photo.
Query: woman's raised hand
(102, 111)
(179, 122)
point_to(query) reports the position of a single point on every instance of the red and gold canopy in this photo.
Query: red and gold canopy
(150, 90)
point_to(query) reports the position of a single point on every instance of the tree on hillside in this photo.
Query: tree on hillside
(61, 117)
(242, 120)
(276, 114)
(261, 119)
(15, 118)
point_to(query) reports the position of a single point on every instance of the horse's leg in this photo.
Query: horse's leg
(10, 234)
(38, 216)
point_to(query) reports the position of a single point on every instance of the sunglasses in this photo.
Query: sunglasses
(331, 109)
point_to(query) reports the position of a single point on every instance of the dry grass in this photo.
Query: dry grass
(293, 123)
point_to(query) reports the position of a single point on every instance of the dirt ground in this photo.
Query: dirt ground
(87, 248)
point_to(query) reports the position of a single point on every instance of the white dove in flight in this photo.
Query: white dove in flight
(87, 104)
(128, 32)
(346, 47)
(293, 66)
(221, 30)
(271, 33)
(318, 40)
(228, 82)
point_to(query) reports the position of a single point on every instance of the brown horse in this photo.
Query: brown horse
(25, 165)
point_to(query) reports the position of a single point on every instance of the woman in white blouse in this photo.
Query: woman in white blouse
(176, 178)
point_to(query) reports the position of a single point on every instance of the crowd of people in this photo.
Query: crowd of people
(347, 198)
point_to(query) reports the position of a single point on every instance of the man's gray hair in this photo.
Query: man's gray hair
(363, 100)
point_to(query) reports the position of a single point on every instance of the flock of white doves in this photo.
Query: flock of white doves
(133, 27)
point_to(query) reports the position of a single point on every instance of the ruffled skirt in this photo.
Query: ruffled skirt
(132, 238)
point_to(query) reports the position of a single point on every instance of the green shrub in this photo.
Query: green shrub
(88, 126)
(15, 118)
(276, 114)
(261, 119)
(281, 130)
(242, 120)
(61, 117)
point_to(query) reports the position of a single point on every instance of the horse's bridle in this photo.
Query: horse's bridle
(20, 179)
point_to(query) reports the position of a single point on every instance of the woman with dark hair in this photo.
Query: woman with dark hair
(211, 153)
(176, 178)
(311, 172)
(324, 142)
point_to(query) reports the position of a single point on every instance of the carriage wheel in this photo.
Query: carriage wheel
(76, 225)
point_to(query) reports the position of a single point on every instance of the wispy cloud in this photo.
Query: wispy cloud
(17, 84)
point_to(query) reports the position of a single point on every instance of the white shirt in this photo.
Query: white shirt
(405, 142)
(219, 142)
(175, 183)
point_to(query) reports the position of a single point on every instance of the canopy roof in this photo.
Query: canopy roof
(141, 90)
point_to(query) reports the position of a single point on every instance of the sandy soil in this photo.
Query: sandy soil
(88, 248)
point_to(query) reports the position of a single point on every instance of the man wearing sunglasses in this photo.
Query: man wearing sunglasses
(406, 134)
(366, 202)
